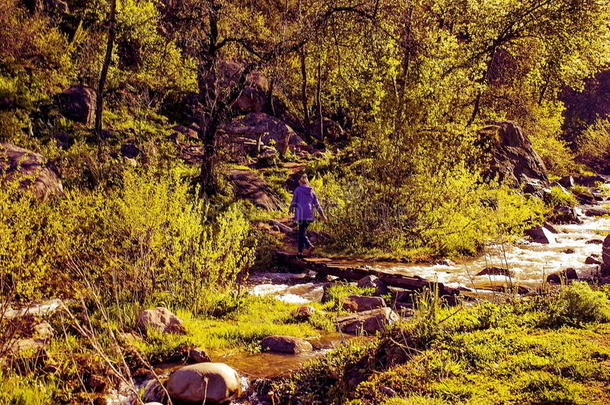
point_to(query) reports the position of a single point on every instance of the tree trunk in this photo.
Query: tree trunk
(99, 106)
(306, 116)
(319, 101)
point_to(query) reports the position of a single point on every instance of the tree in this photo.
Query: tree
(99, 106)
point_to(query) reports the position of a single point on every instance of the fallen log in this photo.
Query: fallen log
(327, 267)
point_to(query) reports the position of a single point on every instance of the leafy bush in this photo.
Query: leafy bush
(561, 197)
(593, 144)
(578, 304)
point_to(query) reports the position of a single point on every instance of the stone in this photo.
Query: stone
(592, 260)
(248, 185)
(161, 319)
(565, 215)
(130, 151)
(596, 212)
(270, 130)
(405, 296)
(333, 132)
(540, 234)
(253, 97)
(209, 383)
(594, 242)
(360, 303)
(550, 227)
(568, 251)
(198, 355)
(567, 182)
(77, 103)
(367, 322)
(589, 181)
(286, 345)
(512, 157)
(375, 283)
(304, 312)
(495, 271)
(561, 276)
(30, 169)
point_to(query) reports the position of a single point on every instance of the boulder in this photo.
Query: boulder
(596, 212)
(30, 170)
(160, 319)
(565, 215)
(495, 271)
(198, 355)
(540, 234)
(563, 275)
(360, 303)
(304, 312)
(550, 227)
(250, 186)
(594, 242)
(374, 283)
(333, 132)
(270, 130)
(286, 345)
(368, 322)
(512, 157)
(77, 103)
(568, 251)
(209, 383)
(605, 268)
(131, 151)
(589, 181)
(253, 97)
(593, 260)
(567, 182)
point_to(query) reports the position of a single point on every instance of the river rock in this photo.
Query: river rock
(368, 322)
(286, 345)
(550, 227)
(198, 355)
(360, 303)
(77, 103)
(30, 169)
(374, 283)
(567, 181)
(540, 234)
(594, 242)
(605, 268)
(593, 260)
(161, 319)
(596, 212)
(209, 383)
(495, 271)
(564, 214)
(588, 181)
(563, 275)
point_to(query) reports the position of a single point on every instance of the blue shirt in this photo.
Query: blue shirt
(304, 200)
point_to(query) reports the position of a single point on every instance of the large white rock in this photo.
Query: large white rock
(160, 319)
(214, 383)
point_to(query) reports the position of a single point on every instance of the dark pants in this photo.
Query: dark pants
(303, 241)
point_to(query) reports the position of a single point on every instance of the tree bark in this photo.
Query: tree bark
(306, 117)
(319, 101)
(99, 105)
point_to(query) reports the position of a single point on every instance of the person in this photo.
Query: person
(304, 201)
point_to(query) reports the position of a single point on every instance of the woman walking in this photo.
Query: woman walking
(304, 201)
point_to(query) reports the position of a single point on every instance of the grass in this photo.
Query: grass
(545, 350)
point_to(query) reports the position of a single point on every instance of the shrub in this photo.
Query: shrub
(593, 144)
(578, 304)
(561, 197)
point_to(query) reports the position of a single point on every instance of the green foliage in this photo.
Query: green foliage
(485, 353)
(577, 304)
(561, 197)
(335, 295)
(593, 144)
